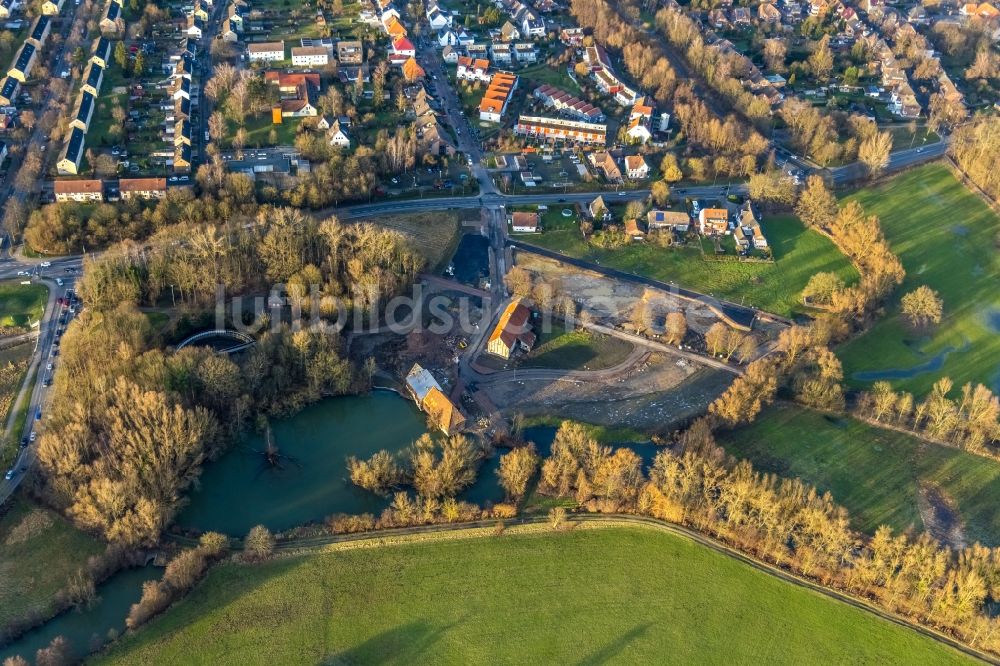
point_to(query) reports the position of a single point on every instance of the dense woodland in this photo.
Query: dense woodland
(131, 423)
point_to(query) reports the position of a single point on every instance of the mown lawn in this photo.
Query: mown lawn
(775, 287)
(39, 552)
(946, 238)
(876, 474)
(560, 349)
(21, 304)
(586, 596)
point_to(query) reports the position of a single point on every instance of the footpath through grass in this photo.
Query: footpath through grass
(21, 304)
(876, 474)
(798, 254)
(39, 552)
(946, 238)
(586, 596)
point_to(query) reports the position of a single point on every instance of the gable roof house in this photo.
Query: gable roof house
(524, 222)
(8, 91)
(78, 190)
(438, 18)
(142, 188)
(636, 167)
(52, 7)
(40, 31)
(598, 210)
(336, 136)
(92, 78)
(84, 111)
(668, 219)
(69, 161)
(509, 32)
(102, 52)
(430, 398)
(449, 55)
(23, 63)
(113, 21)
(713, 221)
(470, 69)
(603, 161)
(512, 332)
(496, 97)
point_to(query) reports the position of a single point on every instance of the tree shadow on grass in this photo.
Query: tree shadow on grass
(403, 644)
(612, 649)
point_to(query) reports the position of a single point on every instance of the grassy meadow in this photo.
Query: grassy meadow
(39, 552)
(775, 287)
(561, 349)
(21, 304)
(946, 238)
(434, 235)
(876, 474)
(585, 596)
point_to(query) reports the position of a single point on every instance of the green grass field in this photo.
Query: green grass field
(946, 237)
(560, 349)
(13, 364)
(21, 304)
(775, 287)
(586, 596)
(876, 474)
(39, 551)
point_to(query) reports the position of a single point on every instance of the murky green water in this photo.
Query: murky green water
(87, 629)
(238, 491)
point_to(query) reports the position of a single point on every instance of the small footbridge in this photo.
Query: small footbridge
(223, 341)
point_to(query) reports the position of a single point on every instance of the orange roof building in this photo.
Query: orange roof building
(412, 71)
(394, 28)
(496, 97)
(442, 412)
(512, 331)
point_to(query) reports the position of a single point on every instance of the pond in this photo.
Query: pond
(237, 491)
(87, 630)
(486, 489)
(933, 364)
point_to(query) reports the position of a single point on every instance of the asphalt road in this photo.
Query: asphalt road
(38, 397)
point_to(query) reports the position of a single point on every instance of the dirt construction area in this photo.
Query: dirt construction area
(654, 393)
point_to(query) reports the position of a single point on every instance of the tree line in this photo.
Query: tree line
(785, 522)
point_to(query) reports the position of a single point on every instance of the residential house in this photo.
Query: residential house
(78, 190)
(52, 7)
(403, 47)
(181, 88)
(182, 159)
(531, 25)
(561, 129)
(512, 332)
(113, 21)
(182, 133)
(636, 167)
(447, 38)
(142, 188)
(713, 221)
(524, 222)
(84, 111)
(101, 52)
(40, 31)
(412, 71)
(266, 52)
(525, 53)
(69, 160)
(768, 13)
(509, 32)
(24, 62)
(8, 91)
(438, 18)
(195, 27)
(93, 76)
(310, 56)
(678, 221)
(449, 55)
(394, 28)
(567, 104)
(571, 36)
(337, 136)
(598, 210)
(297, 92)
(350, 52)
(470, 69)
(501, 53)
(497, 96)
(604, 162)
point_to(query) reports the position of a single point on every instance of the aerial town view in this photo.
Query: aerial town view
(499, 331)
